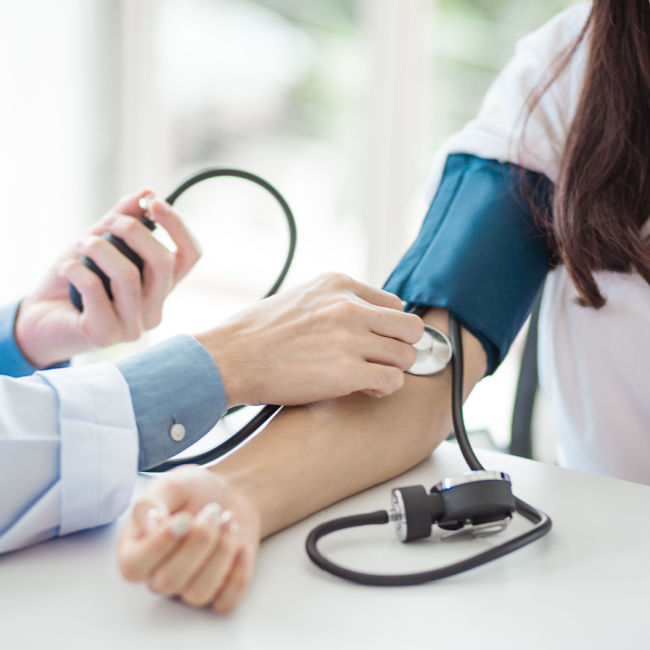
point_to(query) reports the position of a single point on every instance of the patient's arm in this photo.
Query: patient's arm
(306, 458)
(309, 457)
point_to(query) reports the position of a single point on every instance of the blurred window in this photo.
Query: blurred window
(339, 103)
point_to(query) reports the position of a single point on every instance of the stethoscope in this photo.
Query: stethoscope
(248, 429)
(478, 503)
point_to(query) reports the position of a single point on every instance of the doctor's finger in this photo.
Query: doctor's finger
(130, 203)
(127, 205)
(380, 380)
(376, 296)
(99, 321)
(394, 324)
(388, 351)
(139, 557)
(158, 269)
(188, 250)
(125, 282)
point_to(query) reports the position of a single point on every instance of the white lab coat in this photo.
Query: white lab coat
(68, 452)
(593, 364)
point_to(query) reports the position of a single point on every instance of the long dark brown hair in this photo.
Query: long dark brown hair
(602, 195)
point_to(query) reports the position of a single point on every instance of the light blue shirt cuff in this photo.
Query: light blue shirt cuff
(12, 361)
(173, 383)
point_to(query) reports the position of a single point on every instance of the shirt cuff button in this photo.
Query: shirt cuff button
(177, 432)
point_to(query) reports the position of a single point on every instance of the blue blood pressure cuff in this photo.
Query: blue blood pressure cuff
(479, 253)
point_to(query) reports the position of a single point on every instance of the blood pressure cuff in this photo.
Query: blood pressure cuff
(479, 253)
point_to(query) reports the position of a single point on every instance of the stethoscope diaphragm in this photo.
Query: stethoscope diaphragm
(434, 352)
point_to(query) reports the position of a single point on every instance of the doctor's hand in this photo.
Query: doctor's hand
(325, 339)
(49, 328)
(190, 535)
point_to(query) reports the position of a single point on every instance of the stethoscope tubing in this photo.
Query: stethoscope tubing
(215, 172)
(540, 520)
(248, 429)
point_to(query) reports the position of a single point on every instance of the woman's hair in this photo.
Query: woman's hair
(602, 195)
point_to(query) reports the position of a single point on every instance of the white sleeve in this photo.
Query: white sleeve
(68, 452)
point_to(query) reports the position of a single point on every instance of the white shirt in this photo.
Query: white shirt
(593, 364)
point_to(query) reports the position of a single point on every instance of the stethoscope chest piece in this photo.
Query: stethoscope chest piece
(478, 503)
(434, 352)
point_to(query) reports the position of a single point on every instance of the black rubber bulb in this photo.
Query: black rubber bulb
(121, 245)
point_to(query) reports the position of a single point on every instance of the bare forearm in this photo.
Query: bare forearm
(312, 456)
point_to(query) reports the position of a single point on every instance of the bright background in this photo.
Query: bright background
(339, 103)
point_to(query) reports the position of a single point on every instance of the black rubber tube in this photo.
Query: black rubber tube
(215, 172)
(541, 521)
(268, 411)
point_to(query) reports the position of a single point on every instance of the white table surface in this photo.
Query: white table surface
(585, 585)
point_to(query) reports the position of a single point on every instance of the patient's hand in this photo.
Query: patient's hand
(191, 535)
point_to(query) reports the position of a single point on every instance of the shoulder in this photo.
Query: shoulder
(502, 129)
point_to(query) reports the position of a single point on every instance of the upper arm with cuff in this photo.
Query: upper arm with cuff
(479, 253)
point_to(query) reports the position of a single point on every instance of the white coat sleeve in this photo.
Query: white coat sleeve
(68, 452)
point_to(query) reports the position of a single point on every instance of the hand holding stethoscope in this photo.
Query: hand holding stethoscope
(49, 329)
(324, 339)
(482, 501)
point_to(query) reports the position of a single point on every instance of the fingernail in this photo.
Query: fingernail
(145, 201)
(211, 513)
(181, 524)
(152, 519)
(230, 522)
(64, 267)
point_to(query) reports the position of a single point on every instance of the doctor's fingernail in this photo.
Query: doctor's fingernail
(63, 268)
(211, 513)
(144, 203)
(181, 524)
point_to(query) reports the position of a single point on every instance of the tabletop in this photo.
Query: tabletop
(584, 585)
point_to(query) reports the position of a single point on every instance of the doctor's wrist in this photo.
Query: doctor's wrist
(38, 350)
(220, 346)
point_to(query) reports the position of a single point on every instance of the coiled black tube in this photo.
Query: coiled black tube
(268, 411)
(541, 521)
